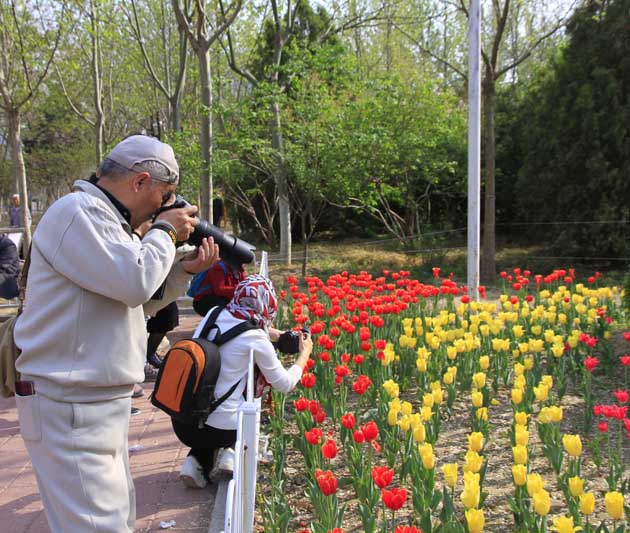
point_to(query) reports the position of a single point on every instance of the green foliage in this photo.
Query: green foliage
(576, 137)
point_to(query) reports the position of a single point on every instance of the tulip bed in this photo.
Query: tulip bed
(424, 409)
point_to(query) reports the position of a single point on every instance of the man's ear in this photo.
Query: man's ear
(143, 179)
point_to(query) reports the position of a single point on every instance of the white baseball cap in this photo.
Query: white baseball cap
(139, 148)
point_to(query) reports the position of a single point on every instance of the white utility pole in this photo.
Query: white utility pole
(474, 146)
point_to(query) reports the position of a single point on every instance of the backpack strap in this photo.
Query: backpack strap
(222, 338)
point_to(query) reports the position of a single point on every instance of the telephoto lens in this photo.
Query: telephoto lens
(231, 248)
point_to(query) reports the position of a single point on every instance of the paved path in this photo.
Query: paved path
(155, 467)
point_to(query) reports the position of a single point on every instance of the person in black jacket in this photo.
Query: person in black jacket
(9, 268)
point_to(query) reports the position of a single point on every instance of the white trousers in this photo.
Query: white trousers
(80, 456)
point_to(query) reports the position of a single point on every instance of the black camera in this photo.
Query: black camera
(231, 248)
(289, 341)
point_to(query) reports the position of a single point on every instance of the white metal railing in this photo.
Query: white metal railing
(241, 492)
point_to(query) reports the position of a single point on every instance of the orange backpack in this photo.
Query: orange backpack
(184, 388)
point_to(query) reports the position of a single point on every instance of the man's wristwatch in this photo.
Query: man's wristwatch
(167, 227)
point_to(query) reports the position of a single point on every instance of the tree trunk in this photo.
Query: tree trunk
(176, 100)
(15, 126)
(488, 266)
(99, 122)
(284, 208)
(205, 80)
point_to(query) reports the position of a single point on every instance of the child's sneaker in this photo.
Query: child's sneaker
(191, 474)
(223, 463)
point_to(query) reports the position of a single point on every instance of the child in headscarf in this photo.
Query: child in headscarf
(254, 299)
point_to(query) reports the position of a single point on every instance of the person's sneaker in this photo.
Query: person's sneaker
(150, 373)
(191, 474)
(155, 360)
(138, 391)
(224, 461)
(135, 411)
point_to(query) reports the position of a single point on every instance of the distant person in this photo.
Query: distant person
(215, 286)
(9, 268)
(15, 211)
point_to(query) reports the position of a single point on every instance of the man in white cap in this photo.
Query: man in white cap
(82, 332)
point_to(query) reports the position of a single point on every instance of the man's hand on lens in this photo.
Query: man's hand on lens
(203, 258)
(182, 219)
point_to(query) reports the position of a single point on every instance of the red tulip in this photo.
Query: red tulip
(590, 363)
(370, 431)
(358, 437)
(407, 529)
(603, 426)
(348, 421)
(625, 359)
(621, 395)
(329, 449)
(394, 499)
(626, 335)
(313, 436)
(308, 380)
(361, 385)
(382, 476)
(301, 404)
(327, 481)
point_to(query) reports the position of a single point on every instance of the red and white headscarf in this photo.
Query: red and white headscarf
(254, 299)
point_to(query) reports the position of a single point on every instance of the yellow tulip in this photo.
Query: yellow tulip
(529, 363)
(482, 413)
(576, 486)
(541, 392)
(474, 462)
(392, 417)
(519, 474)
(426, 413)
(519, 452)
(419, 433)
(518, 331)
(406, 408)
(542, 502)
(572, 444)
(556, 414)
(426, 454)
(614, 505)
(517, 396)
(587, 503)
(547, 380)
(484, 362)
(563, 524)
(534, 483)
(438, 396)
(404, 423)
(448, 378)
(428, 400)
(450, 474)
(475, 520)
(521, 435)
(479, 379)
(421, 364)
(475, 441)
(391, 387)
(520, 418)
(544, 417)
(519, 369)
(470, 496)
(477, 398)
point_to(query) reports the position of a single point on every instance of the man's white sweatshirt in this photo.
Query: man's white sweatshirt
(82, 332)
